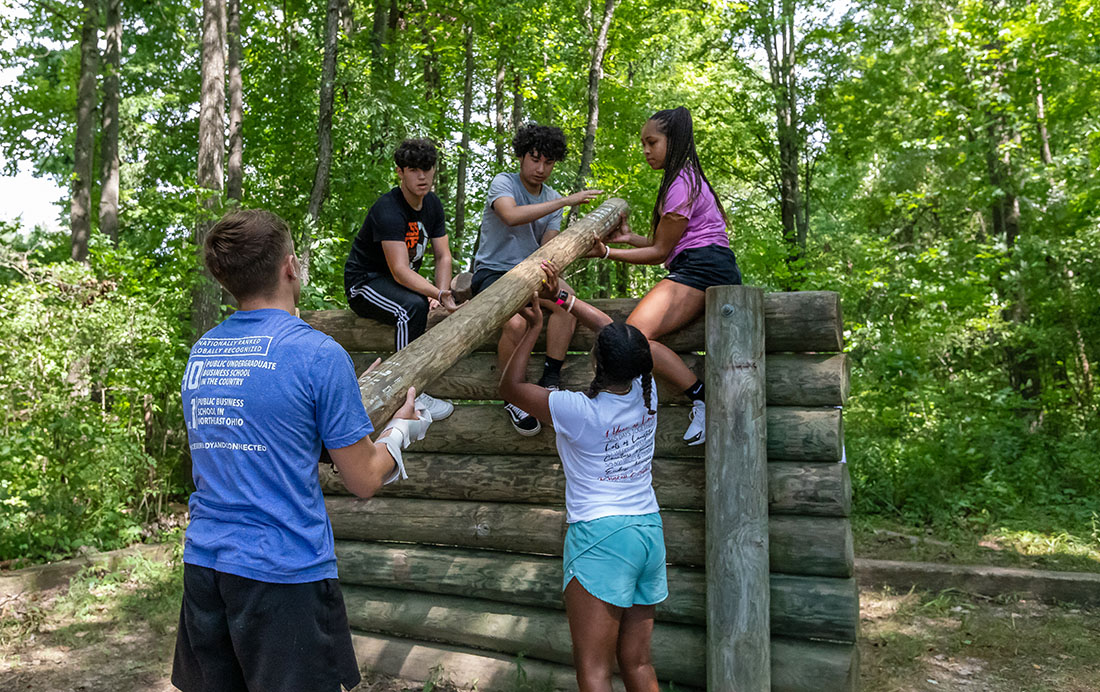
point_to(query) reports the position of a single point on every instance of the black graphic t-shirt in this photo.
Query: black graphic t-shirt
(391, 218)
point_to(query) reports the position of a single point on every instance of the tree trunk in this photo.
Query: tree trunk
(80, 212)
(1041, 120)
(498, 109)
(204, 306)
(588, 149)
(777, 38)
(324, 135)
(517, 99)
(235, 173)
(108, 159)
(464, 148)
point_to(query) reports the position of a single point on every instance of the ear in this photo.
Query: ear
(291, 268)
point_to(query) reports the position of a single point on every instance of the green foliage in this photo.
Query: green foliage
(89, 372)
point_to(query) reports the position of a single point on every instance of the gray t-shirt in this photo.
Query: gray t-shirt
(502, 246)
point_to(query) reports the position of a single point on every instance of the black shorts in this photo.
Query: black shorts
(703, 267)
(242, 634)
(383, 299)
(484, 278)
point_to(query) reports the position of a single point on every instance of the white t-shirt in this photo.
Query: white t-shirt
(606, 450)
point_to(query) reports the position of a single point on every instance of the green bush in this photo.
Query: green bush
(89, 378)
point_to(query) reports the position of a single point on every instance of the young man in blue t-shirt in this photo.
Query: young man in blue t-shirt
(522, 213)
(262, 392)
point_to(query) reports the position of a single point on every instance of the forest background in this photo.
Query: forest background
(934, 162)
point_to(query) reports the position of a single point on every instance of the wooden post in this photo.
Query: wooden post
(738, 601)
(429, 356)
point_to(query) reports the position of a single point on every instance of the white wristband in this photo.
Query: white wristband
(607, 251)
(572, 302)
(393, 444)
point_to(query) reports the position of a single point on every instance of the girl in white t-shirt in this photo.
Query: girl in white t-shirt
(614, 553)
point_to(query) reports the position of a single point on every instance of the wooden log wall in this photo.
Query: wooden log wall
(460, 564)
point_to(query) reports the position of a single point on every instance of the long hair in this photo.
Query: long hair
(675, 124)
(622, 353)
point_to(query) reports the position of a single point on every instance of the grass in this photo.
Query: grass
(1032, 543)
(949, 641)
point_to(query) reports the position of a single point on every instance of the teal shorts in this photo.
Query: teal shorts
(619, 559)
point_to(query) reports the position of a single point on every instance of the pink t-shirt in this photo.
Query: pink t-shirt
(705, 223)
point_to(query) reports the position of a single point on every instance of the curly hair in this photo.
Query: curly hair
(544, 140)
(420, 154)
(622, 353)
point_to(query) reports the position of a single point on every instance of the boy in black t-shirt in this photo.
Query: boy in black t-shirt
(381, 278)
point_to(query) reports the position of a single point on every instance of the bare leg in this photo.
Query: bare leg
(635, 660)
(510, 335)
(594, 628)
(665, 309)
(559, 327)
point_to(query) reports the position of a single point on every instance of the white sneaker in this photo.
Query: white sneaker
(697, 430)
(438, 408)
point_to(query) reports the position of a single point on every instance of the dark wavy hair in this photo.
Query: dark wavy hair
(420, 154)
(245, 249)
(675, 124)
(622, 353)
(544, 140)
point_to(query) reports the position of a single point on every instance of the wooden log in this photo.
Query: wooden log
(794, 487)
(811, 546)
(430, 355)
(543, 635)
(738, 597)
(803, 321)
(799, 666)
(793, 379)
(801, 607)
(507, 628)
(794, 433)
(820, 546)
(809, 489)
(462, 287)
(467, 669)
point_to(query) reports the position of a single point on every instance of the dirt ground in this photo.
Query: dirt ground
(114, 631)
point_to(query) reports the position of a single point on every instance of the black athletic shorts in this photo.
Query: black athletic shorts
(484, 278)
(703, 267)
(238, 634)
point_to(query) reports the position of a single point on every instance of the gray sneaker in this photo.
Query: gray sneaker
(438, 408)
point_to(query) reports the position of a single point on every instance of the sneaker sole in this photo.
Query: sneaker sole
(528, 433)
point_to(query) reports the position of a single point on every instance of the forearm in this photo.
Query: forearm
(516, 215)
(515, 372)
(443, 273)
(588, 315)
(417, 283)
(648, 254)
(364, 466)
(636, 240)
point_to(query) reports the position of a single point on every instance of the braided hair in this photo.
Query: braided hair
(675, 124)
(622, 353)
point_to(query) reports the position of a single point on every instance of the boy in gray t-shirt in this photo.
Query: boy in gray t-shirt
(521, 214)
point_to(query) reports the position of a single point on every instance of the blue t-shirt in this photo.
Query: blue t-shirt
(261, 392)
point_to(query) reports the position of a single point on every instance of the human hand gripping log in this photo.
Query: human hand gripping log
(429, 356)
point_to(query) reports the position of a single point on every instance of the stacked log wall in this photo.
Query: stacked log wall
(460, 564)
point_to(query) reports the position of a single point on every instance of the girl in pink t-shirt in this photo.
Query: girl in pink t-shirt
(689, 237)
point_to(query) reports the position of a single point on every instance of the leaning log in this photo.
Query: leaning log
(818, 546)
(794, 487)
(801, 607)
(543, 635)
(429, 356)
(793, 379)
(794, 434)
(793, 322)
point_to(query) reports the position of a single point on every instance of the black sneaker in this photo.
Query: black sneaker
(524, 423)
(551, 383)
